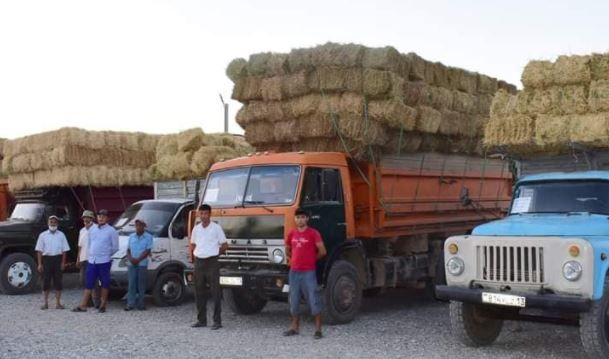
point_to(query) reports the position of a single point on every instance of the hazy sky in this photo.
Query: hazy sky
(158, 66)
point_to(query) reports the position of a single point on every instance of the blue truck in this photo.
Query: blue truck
(546, 261)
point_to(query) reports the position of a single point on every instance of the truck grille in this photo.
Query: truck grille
(246, 254)
(510, 264)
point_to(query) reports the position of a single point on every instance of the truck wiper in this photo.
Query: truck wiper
(258, 202)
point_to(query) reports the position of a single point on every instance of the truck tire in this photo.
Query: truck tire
(342, 296)
(168, 290)
(471, 327)
(594, 327)
(18, 274)
(243, 301)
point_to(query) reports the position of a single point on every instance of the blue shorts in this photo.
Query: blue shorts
(98, 271)
(304, 284)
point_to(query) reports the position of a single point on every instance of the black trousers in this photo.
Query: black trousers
(207, 284)
(51, 271)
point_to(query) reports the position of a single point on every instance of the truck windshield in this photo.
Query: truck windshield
(30, 212)
(157, 216)
(562, 197)
(250, 186)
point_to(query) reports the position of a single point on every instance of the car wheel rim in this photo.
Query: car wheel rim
(19, 274)
(344, 294)
(171, 290)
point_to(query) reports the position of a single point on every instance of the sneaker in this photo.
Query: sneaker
(141, 308)
(199, 325)
(128, 308)
(102, 309)
(318, 335)
(216, 326)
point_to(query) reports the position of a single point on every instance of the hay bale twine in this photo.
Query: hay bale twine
(237, 69)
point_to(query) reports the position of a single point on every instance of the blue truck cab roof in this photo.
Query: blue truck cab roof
(557, 176)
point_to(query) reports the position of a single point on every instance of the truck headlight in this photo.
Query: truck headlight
(278, 256)
(572, 270)
(455, 266)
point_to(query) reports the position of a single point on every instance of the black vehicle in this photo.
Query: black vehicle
(19, 233)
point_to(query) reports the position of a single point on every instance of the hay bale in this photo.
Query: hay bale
(384, 58)
(205, 157)
(286, 131)
(416, 64)
(454, 123)
(167, 146)
(440, 98)
(462, 80)
(537, 74)
(335, 79)
(416, 93)
(503, 104)
(247, 89)
(407, 142)
(301, 106)
(320, 125)
(590, 129)
(260, 111)
(516, 131)
(483, 104)
(428, 119)
(333, 54)
(271, 89)
(486, 85)
(259, 132)
(190, 140)
(571, 70)
(277, 65)
(598, 98)
(237, 69)
(502, 85)
(464, 102)
(551, 130)
(599, 66)
(376, 83)
(554, 100)
(258, 64)
(294, 85)
(393, 114)
(437, 74)
(300, 60)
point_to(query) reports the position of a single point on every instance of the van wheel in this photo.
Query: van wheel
(168, 290)
(18, 274)
(471, 326)
(342, 296)
(243, 301)
(594, 327)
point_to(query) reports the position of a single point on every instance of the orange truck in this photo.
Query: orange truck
(383, 224)
(5, 199)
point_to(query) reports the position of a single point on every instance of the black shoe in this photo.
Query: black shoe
(101, 310)
(318, 335)
(199, 325)
(141, 308)
(128, 308)
(216, 326)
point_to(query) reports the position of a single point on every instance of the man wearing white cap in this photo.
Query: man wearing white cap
(51, 249)
(83, 252)
(138, 251)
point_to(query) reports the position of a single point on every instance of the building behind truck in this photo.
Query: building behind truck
(546, 261)
(381, 148)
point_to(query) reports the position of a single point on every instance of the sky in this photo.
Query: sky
(159, 66)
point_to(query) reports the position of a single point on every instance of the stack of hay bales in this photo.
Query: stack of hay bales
(563, 103)
(2, 140)
(73, 157)
(357, 99)
(190, 154)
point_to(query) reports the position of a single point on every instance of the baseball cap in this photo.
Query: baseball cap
(102, 212)
(139, 220)
(53, 217)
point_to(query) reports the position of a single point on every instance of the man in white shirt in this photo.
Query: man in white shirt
(83, 253)
(51, 249)
(207, 242)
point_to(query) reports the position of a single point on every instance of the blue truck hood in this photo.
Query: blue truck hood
(580, 225)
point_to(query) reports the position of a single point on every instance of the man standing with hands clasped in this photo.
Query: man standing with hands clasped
(303, 248)
(51, 249)
(206, 244)
(138, 250)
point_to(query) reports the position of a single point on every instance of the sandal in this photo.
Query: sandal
(44, 307)
(60, 306)
(289, 333)
(78, 310)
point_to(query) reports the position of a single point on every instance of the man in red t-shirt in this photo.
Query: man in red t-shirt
(303, 248)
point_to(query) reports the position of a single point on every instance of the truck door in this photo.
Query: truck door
(322, 197)
(178, 235)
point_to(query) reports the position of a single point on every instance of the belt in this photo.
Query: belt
(207, 258)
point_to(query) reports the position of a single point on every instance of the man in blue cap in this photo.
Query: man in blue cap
(138, 250)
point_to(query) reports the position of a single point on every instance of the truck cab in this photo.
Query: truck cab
(19, 233)
(167, 221)
(546, 261)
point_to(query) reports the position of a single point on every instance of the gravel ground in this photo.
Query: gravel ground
(397, 324)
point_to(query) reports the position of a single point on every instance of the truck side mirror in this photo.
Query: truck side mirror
(464, 197)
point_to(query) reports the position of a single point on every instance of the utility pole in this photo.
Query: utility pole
(225, 114)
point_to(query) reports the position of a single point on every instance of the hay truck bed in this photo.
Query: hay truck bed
(383, 225)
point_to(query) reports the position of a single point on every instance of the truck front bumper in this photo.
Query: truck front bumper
(266, 282)
(540, 301)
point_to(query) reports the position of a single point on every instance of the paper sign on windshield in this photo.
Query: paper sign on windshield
(521, 205)
(211, 195)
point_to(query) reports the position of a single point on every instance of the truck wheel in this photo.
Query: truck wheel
(471, 327)
(594, 327)
(18, 274)
(342, 296)
(243, 301)
(168, 290)
(438, 279)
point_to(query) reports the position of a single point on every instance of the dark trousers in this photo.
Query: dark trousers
(51, 272)
(207, 281)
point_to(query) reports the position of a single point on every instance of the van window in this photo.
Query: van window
(178, 227)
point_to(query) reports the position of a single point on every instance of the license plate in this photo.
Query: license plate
(504, 299)
(233, 281)
(286, 288)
